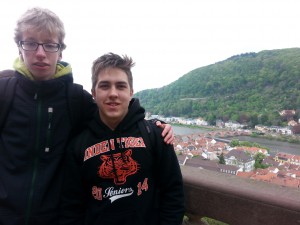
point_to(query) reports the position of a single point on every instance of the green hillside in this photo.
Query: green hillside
(250, 88)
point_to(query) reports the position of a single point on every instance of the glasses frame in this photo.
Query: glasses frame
(21, 43)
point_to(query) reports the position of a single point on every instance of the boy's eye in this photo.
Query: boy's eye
(50, 45)
(103, 86)
(121, 86)
(30, 44)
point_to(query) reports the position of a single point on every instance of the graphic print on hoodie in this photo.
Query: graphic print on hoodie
(118, 166)
(116, 163)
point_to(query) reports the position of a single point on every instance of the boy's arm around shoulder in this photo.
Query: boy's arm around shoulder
(89, 107)
(72, 208)
(167, 131)
(81, 107)
(170, 183)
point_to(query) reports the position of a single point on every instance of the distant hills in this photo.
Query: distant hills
(249, 88)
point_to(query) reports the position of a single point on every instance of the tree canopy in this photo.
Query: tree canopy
(249, 88)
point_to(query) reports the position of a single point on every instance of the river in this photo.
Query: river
(274, 146)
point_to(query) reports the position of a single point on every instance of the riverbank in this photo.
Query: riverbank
(282, 138)
(209, 128)
(274, 145)
(293, 139)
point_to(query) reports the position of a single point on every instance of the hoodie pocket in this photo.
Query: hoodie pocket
(117, 218)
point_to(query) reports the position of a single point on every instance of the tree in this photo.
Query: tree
(221, 159)
(234, 143)
(259, 157)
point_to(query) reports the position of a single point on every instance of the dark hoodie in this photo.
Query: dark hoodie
(113, 179)
(32, 146)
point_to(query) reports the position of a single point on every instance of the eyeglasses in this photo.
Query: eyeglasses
(33, 46)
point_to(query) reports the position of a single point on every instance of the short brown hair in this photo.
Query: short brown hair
(112, 60)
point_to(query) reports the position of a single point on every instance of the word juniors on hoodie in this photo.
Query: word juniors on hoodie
(112, 178)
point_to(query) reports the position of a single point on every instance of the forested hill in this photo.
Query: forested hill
(251, 87)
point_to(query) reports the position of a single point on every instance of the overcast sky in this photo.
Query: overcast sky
(166, 38)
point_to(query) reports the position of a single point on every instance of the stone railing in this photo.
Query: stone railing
(238, 201)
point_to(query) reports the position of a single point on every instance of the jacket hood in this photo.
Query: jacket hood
(135, 113)
(62, 68)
